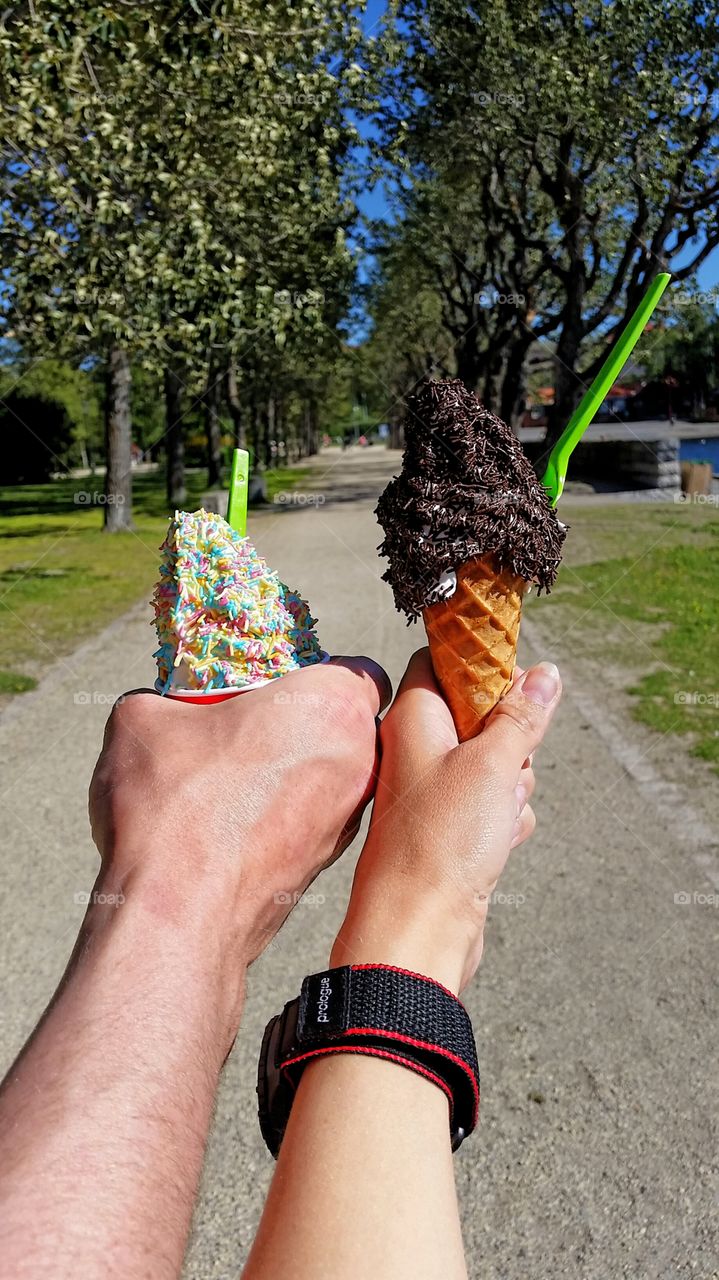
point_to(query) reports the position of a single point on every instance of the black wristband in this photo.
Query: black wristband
(376, 1010)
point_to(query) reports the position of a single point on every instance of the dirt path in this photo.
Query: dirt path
(594, 1007)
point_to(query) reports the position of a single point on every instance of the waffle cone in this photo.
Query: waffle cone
(473, 641)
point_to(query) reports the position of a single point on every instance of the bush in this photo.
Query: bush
(35, 434)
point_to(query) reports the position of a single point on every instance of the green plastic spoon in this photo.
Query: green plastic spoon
(556, 472)
(237, 495)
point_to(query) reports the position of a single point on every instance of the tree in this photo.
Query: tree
(687, 348)
(170, 169)
(560, 155)
(76, 394)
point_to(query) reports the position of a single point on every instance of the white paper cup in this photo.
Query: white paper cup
(207, 696)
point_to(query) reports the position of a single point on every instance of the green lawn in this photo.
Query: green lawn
(639, 590)
(62, 578)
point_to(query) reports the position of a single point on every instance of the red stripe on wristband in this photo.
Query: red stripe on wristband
(376, 1053)
(410, 974)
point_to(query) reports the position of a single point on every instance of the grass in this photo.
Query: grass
(639, 591)
(62, 579)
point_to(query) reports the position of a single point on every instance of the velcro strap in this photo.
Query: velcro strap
(390, 1013)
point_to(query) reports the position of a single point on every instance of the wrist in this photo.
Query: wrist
(180, 938)
(421, 937)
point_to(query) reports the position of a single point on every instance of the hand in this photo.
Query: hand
(239, 804)
(444, 821)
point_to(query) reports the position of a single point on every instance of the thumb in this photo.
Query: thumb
(419, 722)
(520, 719)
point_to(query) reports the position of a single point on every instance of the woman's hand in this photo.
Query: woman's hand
(444, 821)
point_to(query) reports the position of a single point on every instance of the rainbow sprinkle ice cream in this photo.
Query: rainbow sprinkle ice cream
(223, 618)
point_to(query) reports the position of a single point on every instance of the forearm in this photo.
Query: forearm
(364, 1185)
(104, 1117)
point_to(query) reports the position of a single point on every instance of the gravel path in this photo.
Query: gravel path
(593, 1012)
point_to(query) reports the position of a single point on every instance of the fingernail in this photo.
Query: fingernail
(541, 683)
(521, 793)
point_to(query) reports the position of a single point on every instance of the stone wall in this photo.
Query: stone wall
(626, 464)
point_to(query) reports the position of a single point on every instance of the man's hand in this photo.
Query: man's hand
(245, 800)
(208, 820)
(444, 821)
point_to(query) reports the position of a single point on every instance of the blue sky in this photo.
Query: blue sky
(372, 203)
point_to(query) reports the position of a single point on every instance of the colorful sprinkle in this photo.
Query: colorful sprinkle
(223, 619)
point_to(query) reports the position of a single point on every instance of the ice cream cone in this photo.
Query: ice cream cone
(473, 641)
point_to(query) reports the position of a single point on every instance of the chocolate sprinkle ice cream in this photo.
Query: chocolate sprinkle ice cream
(466, 490)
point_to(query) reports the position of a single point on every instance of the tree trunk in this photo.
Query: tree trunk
(269, 431)
(512, 399)
(118, 443)
(311, 431)
(491, 393)
(568, 388)
(469, 360)
(283, 444)
(260, 431)
(234, 406)
(212, 430)
(307, 428)
(175, 441)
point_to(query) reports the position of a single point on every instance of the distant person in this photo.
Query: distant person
(210, 822)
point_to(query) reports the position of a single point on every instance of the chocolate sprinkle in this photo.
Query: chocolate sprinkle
(466, 489)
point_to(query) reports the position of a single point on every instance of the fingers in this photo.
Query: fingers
(519, 721)
(419, 718)
(524, 826)
(375, 680)
(524, 788)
